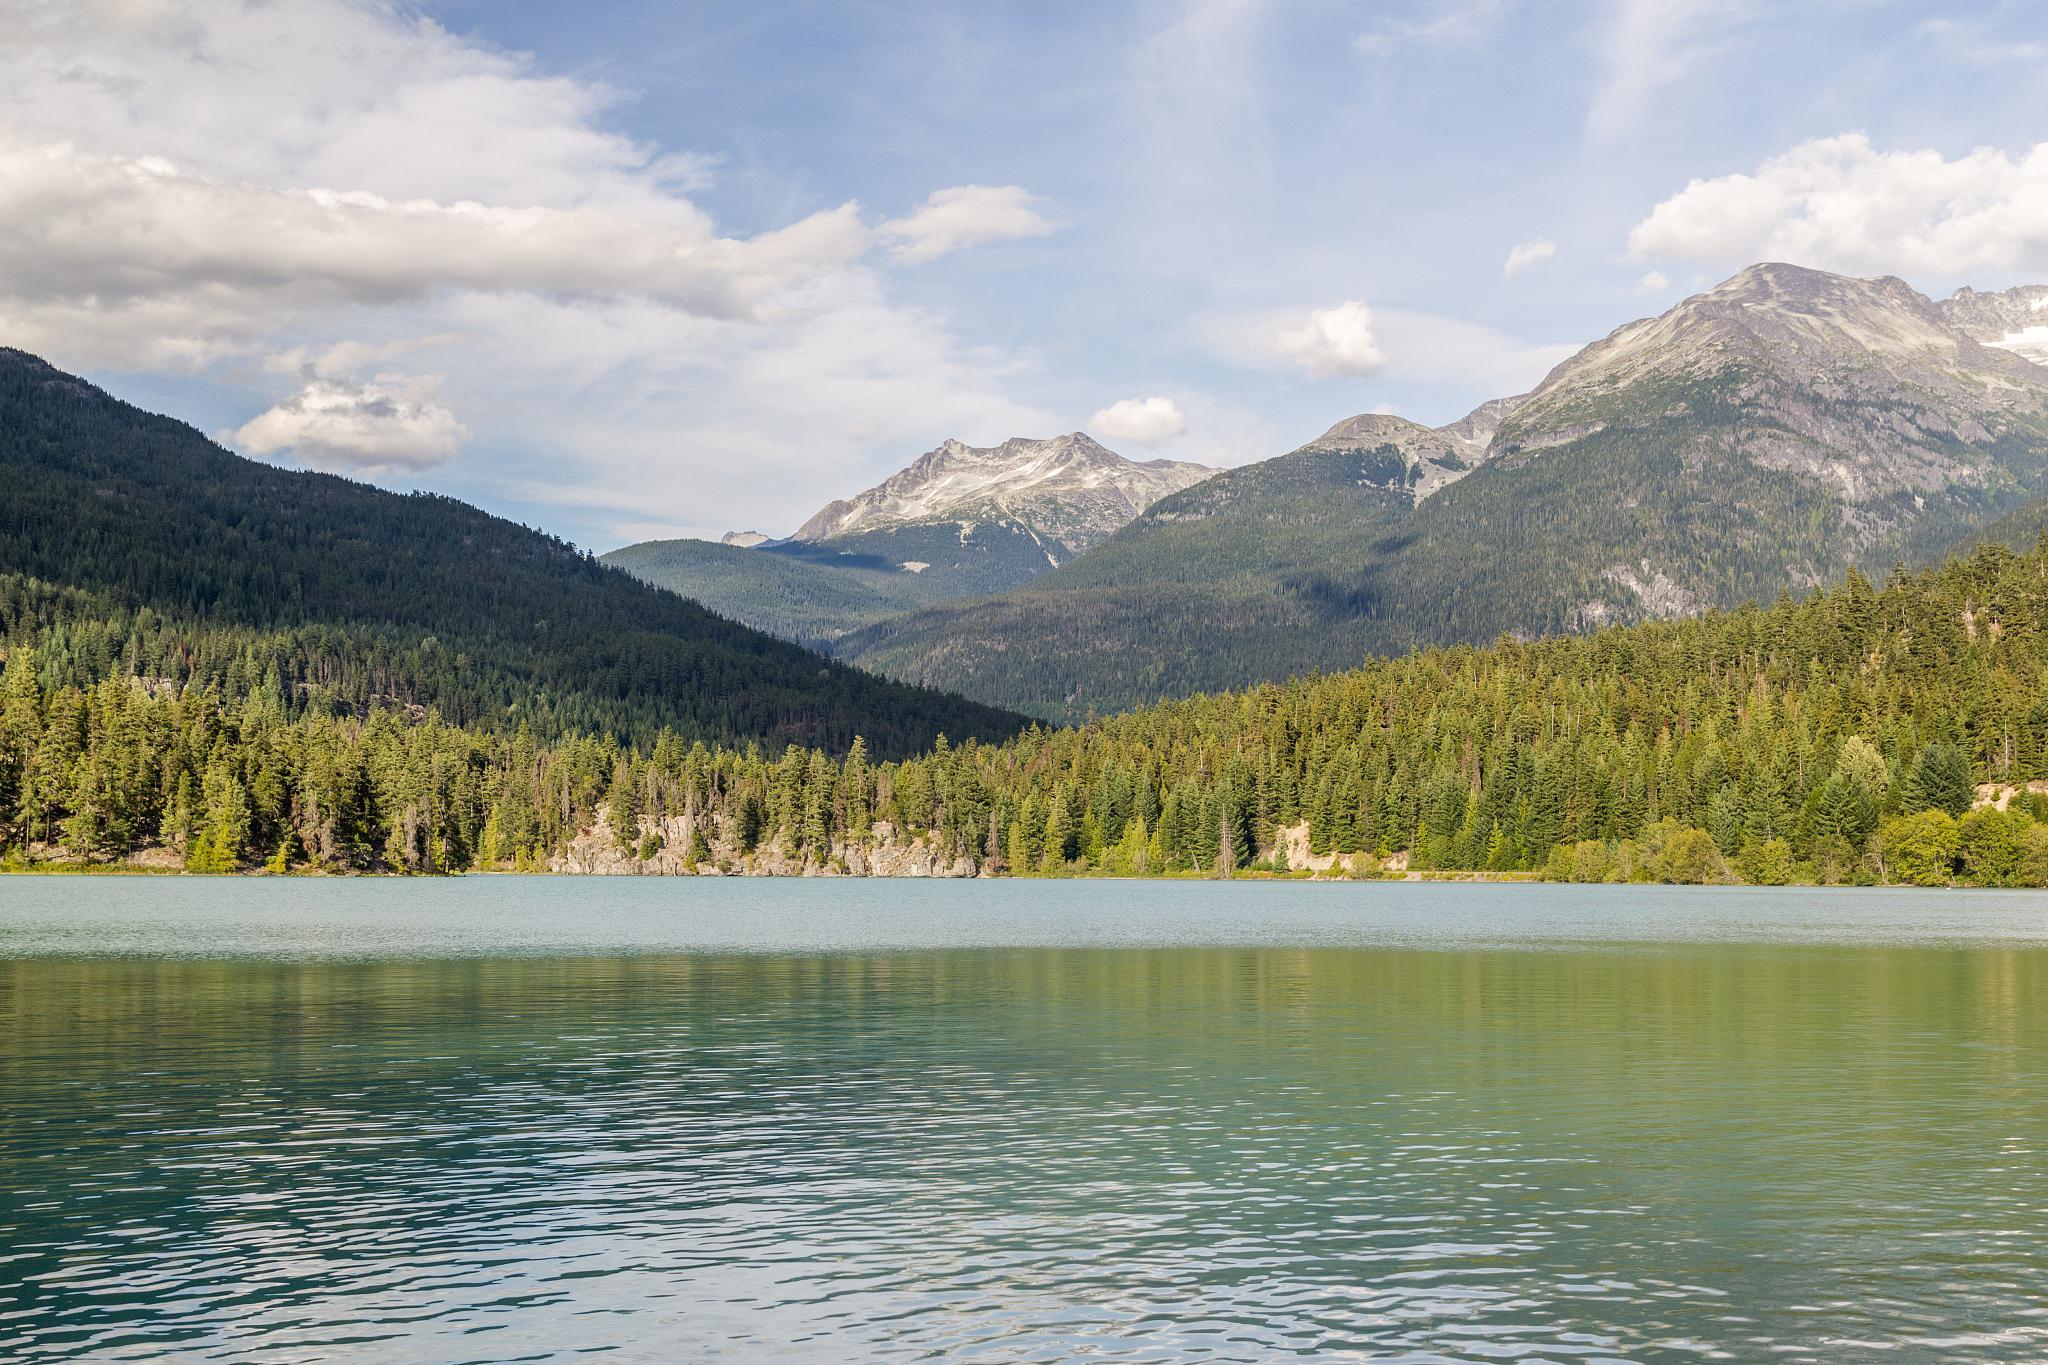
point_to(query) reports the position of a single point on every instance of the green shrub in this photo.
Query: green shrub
(1919, 850)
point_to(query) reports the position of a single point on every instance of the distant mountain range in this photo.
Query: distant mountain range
(1758, 438)
(959, 521)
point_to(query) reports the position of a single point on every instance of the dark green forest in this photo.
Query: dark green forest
(182, 562)
(1836, 738)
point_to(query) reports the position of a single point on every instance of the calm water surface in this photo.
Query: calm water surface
(534, 1119)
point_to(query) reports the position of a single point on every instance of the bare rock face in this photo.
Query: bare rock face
(1067, 490)
(1864, 385)
(597, 851)
(1900, 417)
(1434, 456)
(1476, 429)
(745, 540)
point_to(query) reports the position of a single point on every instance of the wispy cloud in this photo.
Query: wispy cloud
(1441, 22)
(1527, 254)
(1979, 44)
(1643, 46)
(967, 215)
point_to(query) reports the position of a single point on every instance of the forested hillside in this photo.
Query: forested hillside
(785, 594)
(1260, 571)
(1836, 738)
(138, 546)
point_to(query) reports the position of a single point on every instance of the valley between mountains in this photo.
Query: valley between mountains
(1758, 439)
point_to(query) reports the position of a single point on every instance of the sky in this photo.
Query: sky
(633, 269)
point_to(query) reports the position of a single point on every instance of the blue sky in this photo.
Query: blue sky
(640, 269)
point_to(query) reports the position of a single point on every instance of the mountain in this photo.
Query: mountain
(745, 540)
(779, 589)
(1067, 493)
(147, 541)
(1761, 437)
(959, 521)
(2015, 319)
(1204, 589)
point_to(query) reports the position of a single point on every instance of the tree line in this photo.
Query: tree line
(1840, 738)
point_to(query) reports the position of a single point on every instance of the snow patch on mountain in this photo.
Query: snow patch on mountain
(2029, 342)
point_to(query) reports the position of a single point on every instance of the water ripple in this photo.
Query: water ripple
(1710, 1152)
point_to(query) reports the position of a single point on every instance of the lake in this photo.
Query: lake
(499, 1119)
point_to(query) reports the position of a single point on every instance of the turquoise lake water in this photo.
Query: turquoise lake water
(498, 1119)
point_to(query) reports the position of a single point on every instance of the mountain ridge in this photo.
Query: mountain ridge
(1762, 436)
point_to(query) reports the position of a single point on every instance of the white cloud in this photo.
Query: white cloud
(1332, 342)
(389, 425)
(1526, 255)
(966, 215)
(1653, 282)
(209, 186)
(1647, 45)
(1839, 203)
(1140, 421)
(134, 233)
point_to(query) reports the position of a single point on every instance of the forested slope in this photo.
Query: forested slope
(182, 558)
(790, 595)
(1839, 737)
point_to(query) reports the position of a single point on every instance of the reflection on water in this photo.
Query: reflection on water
(1698, 1151)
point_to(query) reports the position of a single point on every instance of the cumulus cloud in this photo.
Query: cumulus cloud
(966, 215)
(387, 426)
(1653, 282)
(1526, 255)
(206, 186)
(1140, 421)
(1840, 203)
(1332, 342)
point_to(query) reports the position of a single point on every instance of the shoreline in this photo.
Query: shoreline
(1445, 876)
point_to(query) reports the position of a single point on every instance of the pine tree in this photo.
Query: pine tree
(1941, 780)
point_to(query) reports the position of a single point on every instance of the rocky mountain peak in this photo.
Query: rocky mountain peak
(1475, 430)
(1069, 488)
(1370, 426)
(1776, 337)
(2014, 320)
(1437, 456)
(1863, 386)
